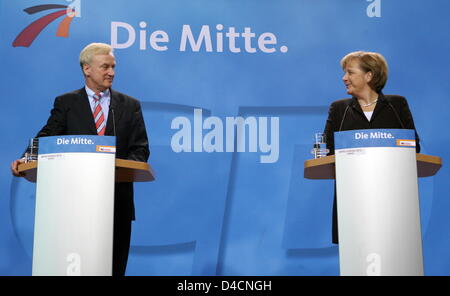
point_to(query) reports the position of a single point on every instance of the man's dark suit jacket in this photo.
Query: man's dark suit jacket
(391, 111)
(72, 115)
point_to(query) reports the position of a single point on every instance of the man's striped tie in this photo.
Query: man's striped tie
(99, 119)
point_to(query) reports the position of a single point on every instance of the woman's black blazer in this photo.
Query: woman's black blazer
(391, 111)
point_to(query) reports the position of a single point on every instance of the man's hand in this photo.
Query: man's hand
(15, 167)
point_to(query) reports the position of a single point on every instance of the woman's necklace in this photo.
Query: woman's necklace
(370, 104)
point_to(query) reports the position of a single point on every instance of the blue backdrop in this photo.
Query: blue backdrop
(228, 213)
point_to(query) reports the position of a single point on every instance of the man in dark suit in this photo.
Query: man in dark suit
(120, 115)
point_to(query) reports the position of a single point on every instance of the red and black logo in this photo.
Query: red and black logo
(27, 36)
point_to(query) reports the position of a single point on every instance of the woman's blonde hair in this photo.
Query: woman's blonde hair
(370, 62)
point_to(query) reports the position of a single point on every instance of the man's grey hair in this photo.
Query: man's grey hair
(94, 49)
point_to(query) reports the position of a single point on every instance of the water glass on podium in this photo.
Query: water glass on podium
(320, 146)
(32, 151)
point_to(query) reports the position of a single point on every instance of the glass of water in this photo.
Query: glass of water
(320, 145)
(32, 151)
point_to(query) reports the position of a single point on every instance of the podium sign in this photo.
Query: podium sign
(74, 206)
(378, 203)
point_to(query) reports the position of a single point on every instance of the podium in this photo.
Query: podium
(75, 176)
(376, 175)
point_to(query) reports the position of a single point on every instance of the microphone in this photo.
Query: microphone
(396, 115)
(343, 117)
(114, 122)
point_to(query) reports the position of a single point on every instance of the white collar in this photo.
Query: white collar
(91, 93)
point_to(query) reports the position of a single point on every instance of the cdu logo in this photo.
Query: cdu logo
(27, 36)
